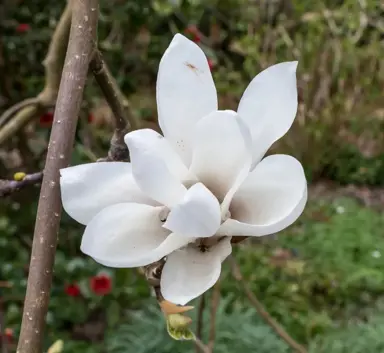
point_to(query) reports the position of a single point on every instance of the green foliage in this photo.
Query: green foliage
(334, 268)
(237, 329)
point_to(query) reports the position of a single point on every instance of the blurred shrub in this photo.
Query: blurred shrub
(358, 338)
(338, 44)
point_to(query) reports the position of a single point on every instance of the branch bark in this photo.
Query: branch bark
(17, 116)
(80, 48)
(263, 312)
(119, 104)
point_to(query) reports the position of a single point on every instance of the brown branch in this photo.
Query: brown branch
(200, 320)
(119, 104)
(17, 116)
(262, 311)
(7, 187)
(212, 324)
(80, 47)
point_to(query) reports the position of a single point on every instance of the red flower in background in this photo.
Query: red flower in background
(91, 118)
(7, 336)
(101, 285)
(46, 119)
(72, 290)
(23, 27)
(211, 64)
(193, 31)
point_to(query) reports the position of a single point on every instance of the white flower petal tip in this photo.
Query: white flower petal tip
(198, 214)
(185, 92)
(188, 273)
(129, 235)
(269, 105)
(270, 199)
(88, 188)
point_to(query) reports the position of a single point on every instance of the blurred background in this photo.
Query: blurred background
(322, 278)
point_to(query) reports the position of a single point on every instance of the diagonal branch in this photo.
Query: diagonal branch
(80, 48)
(119, 104)
(262, 311)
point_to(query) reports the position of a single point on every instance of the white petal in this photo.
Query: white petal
(269, 106)
(151, 170)
(198, 215)
(271, 198)
(129, 235)
(150, 140)
(185, 92)
(221, 152)
(189, 273)
(88, 188)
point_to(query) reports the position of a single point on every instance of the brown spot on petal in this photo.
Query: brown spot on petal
(192, 67)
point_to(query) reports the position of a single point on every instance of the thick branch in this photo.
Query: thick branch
(80, 48)
(262, 311)
(7, 187)
(119, 104)
(17, 116)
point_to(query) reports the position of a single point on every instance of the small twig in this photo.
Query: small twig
(262, 311)
(25, 111)
(7, 187)
(201, 346)
(200, 320)
(212, 324)
(81, 44)
(124, 118)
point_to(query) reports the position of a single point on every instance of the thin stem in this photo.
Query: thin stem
(200, 320)
(214, 306)
(201, 346)
(262, 311)
(80, 48)
(119, 104)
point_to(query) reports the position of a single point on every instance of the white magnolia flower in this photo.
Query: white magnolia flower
(185, 194)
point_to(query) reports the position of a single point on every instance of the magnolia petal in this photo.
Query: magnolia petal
(221, 152)
(129, 235)
(197, 215)
(185, 92)
(151, 141)
(270, 199)
(151, 169)
(189, 272)
(269, 104)
(88, 188)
